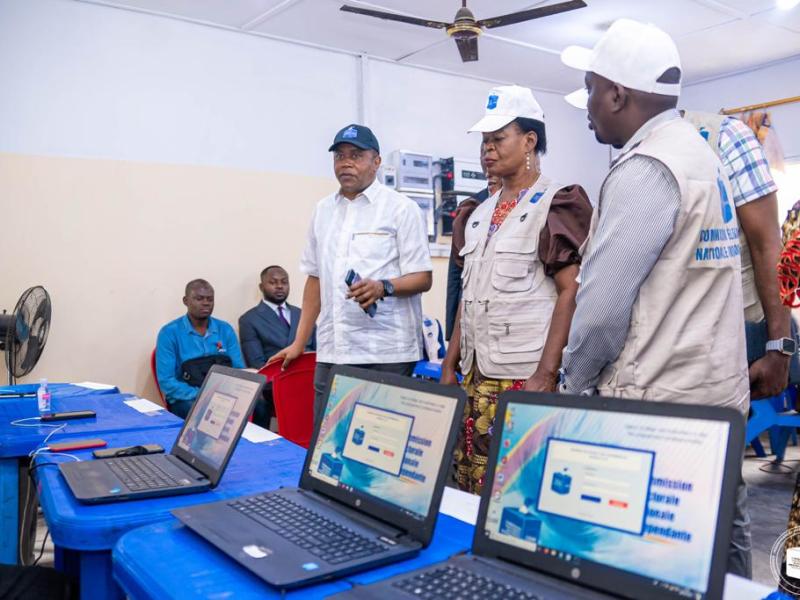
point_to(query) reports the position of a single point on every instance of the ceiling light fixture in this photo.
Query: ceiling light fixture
(787, 4)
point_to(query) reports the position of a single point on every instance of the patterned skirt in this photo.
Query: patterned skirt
(475, 436)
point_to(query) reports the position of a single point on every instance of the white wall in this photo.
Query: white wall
(762, 85)
(430, 112)
(138, 152)
(93, 81)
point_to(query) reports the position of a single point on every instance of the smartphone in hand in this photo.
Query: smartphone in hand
(353, 277)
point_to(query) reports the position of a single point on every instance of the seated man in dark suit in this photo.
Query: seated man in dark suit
(268, 328)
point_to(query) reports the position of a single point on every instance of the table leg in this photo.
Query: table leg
(97, 581)
(67, 561)
(9, 510)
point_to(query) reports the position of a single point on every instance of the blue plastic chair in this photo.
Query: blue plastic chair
(777, 415)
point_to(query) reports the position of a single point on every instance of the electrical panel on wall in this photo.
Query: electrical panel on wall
(387, 175)
(462, 175)
(427, 205)
(437, 186)
(461, 179)
(449, 210)
(414, 171)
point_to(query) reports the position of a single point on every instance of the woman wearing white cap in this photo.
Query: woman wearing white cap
(521, 258)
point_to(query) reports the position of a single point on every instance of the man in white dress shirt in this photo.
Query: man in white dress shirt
(381, 236)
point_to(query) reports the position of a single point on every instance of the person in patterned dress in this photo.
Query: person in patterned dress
(521, 257)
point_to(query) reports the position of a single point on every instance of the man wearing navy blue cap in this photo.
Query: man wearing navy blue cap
(380, 235)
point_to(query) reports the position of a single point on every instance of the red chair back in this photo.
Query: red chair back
(293, 394)
(155, 378)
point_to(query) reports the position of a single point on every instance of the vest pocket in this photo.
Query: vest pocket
(513, 269)
(516, 341)
(512, 275)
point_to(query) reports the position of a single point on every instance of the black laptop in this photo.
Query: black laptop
(369, 492)
(197, 459)
(594, 498)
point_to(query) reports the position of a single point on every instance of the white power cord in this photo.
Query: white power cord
(42, 449)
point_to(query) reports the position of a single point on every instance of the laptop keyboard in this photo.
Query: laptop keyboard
(307, 529)
(139, 473)
(453, 583)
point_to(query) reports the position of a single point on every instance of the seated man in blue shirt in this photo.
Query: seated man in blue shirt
(185, 342)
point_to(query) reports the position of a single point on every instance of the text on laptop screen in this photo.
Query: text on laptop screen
(638, 493)
(384, 441)
(215, 419)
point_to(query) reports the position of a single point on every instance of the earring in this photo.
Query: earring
(528, 161)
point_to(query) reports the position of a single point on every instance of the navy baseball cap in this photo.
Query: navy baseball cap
(358, 135)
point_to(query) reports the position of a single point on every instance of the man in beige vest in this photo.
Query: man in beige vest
(770, 343)
(659, 309)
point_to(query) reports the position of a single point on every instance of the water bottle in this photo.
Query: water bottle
(43, 397)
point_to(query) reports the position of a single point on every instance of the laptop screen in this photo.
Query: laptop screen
(633, 492)
(213, 424)
(383, 441)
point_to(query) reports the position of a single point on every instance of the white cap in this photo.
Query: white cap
(506, 103)
(631, 54)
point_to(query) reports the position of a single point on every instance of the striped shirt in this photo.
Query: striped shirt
(639, 204)
(745, 162)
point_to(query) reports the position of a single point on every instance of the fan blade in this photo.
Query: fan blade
(394, 17)
(534, 13)
(468, 48)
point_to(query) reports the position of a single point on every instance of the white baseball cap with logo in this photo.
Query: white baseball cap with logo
(506, 103)
(632, 54)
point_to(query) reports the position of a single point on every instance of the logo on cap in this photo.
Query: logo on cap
(350, 132)
(492, 102)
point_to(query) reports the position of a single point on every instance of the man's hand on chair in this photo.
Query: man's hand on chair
(288, 354)
(769, 375)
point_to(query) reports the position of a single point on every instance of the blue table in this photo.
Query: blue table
(84, 535)
(167, 560)
(16, 442)
(57, 390)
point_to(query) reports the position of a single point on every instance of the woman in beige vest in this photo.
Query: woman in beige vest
(521, 259)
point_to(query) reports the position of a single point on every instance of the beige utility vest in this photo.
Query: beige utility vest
(686, 338)
(709, 125)
(507, 300)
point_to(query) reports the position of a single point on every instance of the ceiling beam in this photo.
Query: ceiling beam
(527, 45)
(723, 8)
(427, 47)
(280, 7)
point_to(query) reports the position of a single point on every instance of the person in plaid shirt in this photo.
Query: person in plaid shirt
(755, 197)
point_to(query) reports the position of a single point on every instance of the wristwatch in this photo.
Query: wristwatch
(787, 346)
(388, 288)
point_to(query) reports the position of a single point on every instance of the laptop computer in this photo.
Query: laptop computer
(369, 491)
(594, 498)
(198, 458)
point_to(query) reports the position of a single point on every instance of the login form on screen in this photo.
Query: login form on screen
(603, 485)
(633, 491)
(384, 441)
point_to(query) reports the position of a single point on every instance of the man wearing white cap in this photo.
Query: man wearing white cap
(521, 254)
(659, 309)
